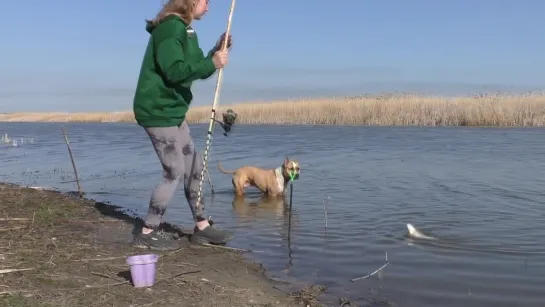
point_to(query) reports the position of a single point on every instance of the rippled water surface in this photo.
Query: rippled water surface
(478, 191)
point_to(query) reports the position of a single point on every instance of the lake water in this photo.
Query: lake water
(479, 191)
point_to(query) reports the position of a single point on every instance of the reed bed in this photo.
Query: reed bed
(502, 110)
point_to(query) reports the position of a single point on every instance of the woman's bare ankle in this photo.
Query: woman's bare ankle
(146, 230)
(202, 224)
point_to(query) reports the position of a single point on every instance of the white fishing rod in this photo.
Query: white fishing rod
(214, 106)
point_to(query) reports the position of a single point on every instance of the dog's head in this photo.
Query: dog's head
(291, 169)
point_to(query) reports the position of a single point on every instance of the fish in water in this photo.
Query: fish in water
(415, 233)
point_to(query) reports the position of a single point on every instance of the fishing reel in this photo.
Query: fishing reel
(229, 118)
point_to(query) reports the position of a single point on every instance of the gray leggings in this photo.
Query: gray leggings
(177, 155)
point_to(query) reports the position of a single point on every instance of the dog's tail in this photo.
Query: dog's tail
(223, 170)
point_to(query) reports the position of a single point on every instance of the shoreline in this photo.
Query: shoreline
(75, 251)
(483, 110)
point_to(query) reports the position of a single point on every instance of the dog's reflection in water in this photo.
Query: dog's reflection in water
(260, 207)
(270, 211)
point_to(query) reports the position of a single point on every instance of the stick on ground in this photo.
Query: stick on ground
(231, 248)
(5, 271)
(101, 259)
(11, 228)
(13, 219)
(13, 292)
(177, 275)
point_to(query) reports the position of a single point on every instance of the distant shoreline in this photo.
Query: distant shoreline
(499, 110)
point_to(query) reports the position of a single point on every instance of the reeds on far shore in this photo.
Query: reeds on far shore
(526, 110)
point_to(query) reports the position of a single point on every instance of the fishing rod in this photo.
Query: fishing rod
(214, 107)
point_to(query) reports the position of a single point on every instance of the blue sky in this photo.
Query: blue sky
(76, 55)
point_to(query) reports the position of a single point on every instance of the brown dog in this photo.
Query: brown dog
(272, 182)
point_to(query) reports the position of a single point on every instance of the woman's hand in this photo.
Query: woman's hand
(219, 44)
(220, 58)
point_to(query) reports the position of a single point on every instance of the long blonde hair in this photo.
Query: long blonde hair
(182, 8)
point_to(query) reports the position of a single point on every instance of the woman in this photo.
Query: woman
(172, 61)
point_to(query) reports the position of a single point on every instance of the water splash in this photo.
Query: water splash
(10, 141)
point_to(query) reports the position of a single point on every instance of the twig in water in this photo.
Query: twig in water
(326, 203)
(375, 272)
(73, 163)
(5, 271)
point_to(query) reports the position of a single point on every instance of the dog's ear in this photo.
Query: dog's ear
(286, 161)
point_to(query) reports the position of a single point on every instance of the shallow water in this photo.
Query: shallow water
(478, 190)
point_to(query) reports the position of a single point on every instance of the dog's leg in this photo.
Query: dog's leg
(239, 183)
(239, 191)
(234, 184)
(272, 194)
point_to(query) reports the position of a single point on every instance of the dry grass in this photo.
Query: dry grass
(526, 110)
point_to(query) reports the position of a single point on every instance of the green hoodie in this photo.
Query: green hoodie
(172, 61)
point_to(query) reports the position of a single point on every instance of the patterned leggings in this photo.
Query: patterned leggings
(177, 155)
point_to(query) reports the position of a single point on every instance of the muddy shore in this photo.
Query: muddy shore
(60, 250)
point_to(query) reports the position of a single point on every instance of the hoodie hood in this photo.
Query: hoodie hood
(150, 27)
